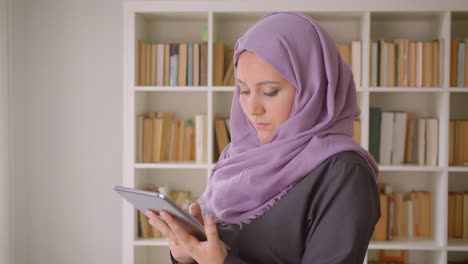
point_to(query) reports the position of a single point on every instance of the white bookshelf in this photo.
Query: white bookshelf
(183, 21)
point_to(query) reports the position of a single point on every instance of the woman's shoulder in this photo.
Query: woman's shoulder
(347, 158)
(345, 164)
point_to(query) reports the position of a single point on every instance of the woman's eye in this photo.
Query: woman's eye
(272, 93)
(245, 92)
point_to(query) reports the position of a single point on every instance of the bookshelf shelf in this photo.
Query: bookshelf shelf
(151, 242)
(406, 90)
(458, 89)
(409, 168)
(223, 21)
(406, 244)
(458, 169)
(457, 244)
(222, 89)
(164, 165)
(172, 89)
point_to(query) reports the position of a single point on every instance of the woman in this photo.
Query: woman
(293, 186)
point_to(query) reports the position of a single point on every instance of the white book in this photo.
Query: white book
(421, 141)
(386, 137)
(399, 138)
(356, 62)
(432, 136)
(159, 64)
(419, 63)
(201, 134)
(461, 64)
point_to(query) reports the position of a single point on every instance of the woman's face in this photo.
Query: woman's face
(265, 96)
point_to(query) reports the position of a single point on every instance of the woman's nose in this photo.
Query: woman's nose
(255, 105)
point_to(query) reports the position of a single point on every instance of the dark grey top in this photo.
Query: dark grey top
(328, 217)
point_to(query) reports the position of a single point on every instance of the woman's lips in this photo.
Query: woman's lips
(261, 125)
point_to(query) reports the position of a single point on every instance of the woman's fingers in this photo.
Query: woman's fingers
(195, 211)
(162, 226)
(184, 238)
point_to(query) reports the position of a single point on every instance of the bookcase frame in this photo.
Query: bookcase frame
(175, 21)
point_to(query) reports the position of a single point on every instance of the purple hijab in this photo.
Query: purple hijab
(251, 177)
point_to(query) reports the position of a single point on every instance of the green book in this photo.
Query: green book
(374, 132)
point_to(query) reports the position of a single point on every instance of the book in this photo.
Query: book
(421, 142)
(189, 64)
(386, 137)
(412, 64)
(218, 63)
(221, 135)
(201, 133)
(451, 142)
(380, 230)
(391, 64)
(182, 65)
(173, 64)
(432, 141)
(356, 62)
(419, 64)
(399, 138)
(140, 122)
(453, 62)
(160, 64)
(375, 117)
(345, 52)
(357, 130)
(461, 64)
(196, 64)
(409, 141)
(427, 64)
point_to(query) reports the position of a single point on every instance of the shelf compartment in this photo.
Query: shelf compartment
(193, 180)
(425, 254)
(454, 244)
(148, 254)
(186, 107)
(458, 256)
(432, 182)
(421, 26)
(170, 27)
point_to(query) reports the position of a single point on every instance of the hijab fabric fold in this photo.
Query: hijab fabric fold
(250, 177)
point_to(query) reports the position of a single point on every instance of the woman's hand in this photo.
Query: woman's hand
(186, 248)
(179, 253)
(211, 251)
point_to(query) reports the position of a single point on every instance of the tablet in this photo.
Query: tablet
(145, 200)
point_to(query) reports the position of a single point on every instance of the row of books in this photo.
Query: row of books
(394, 138)
(459, 63)
(182, 198)
(172, 64)
(403, 214)
(165, 138)
(406, 63)
(222, 131)
(223, 66)
(458, 143)
(351, 54)
(390, 256)
(457, 215)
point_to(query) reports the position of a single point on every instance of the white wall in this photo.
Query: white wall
(4, 139)
(66, 103)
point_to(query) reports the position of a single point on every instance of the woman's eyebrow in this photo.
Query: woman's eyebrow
(259, 83)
